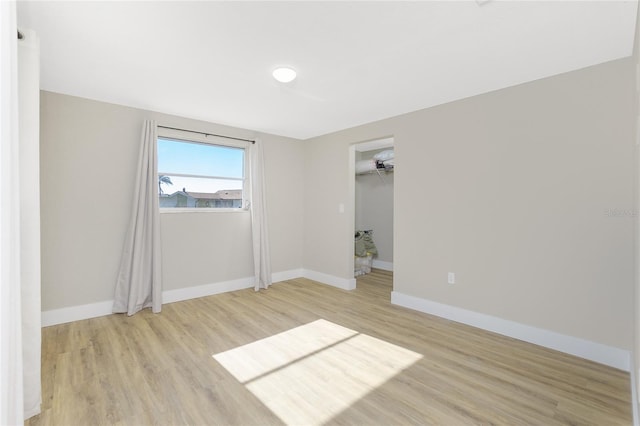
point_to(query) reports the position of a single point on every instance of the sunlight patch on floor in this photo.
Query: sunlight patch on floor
(311, 373)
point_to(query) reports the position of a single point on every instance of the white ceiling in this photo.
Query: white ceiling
(357, 62)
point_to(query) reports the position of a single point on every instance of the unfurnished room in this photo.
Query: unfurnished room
(202, 222)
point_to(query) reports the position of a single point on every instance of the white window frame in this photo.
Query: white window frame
(191, 137)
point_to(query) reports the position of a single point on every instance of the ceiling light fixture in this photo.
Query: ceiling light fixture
(284, 74)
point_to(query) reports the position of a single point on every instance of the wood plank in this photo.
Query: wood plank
(158, 368)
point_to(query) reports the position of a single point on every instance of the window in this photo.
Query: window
(198, 175)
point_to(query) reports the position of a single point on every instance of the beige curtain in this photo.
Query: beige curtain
(261, 254)
(139, 282)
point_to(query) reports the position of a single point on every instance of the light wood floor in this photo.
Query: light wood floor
(158, 369)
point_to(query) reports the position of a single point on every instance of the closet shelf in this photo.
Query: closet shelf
(376, 171)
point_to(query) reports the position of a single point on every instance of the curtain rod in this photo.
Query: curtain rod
(208, 134)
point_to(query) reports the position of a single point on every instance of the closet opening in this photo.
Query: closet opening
(373, 194)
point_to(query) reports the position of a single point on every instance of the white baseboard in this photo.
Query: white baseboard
(99, 309)
(276, 277)
(186, 293)
(32, 412)
(332, 280)
(603, 354)
(384, 265)
(76, 313)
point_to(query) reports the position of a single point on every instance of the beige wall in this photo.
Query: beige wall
(89, 152)
(374, 208)
(508, 190)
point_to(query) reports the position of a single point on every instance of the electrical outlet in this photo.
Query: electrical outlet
(451, 278)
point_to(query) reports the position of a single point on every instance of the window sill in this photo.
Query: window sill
(202, 210)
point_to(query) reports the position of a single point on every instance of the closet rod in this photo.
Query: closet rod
(207, 134)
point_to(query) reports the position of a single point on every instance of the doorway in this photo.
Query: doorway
(373, 194)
